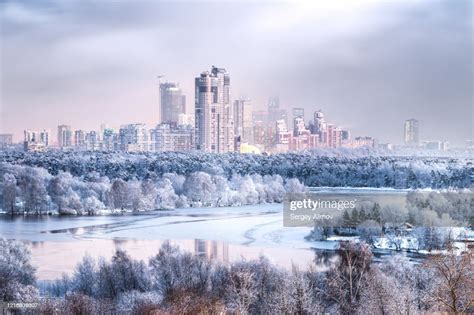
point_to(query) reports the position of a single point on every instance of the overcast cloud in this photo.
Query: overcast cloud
(368, 64)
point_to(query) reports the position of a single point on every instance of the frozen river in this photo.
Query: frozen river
(225, 234)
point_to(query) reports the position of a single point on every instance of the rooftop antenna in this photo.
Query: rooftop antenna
(159, 78)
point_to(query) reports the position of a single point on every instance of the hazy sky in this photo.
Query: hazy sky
(369, 65)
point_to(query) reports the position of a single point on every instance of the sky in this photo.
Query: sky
(369, 65)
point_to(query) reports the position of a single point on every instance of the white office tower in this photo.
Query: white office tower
(64, 136)
(299, 126)
(134, 138)
(36, 140)
(411, 132)
(318, 122)
(243, 126)
(80, 139)
(173, 102)
(213, 112)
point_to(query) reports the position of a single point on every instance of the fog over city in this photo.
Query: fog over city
(369, 65)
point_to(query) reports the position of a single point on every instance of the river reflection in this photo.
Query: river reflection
(52, 259)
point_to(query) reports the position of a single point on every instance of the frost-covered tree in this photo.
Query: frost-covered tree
(92, 205)
(137, 303)
(166, 197)
(119, 194)
(85, 277)
(33, 190)
(9, 193)
(346, 280)
(129, 274)
(199, 188)
(178, 276)
(17, 275)
(453, 288)
(242, 290)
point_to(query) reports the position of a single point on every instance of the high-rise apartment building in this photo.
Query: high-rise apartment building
(297, 112)
(64, 136)
(298, 126)
(6, 139)
(134, 138)
(282, 137)
(318, 124)
(92, 141)
(80, 139)
(411, 132)
(243, 126)
(169, 137)
(275, 112)
(213, 112)
(36, 140)
(172, 101)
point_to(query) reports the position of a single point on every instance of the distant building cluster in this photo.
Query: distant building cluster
(6, 140)
(36, 140)
(277, 136)
(219, 125)
(412, 138)
(128, 138)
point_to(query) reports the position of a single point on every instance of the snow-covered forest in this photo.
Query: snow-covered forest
(88, 182)
(176, 282)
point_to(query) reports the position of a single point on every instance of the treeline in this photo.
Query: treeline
(427, 221)
(176, 282)
(310, 168)
(25, 189)
(433, 208)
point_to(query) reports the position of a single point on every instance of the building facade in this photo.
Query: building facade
(411, 130)
(275, 112)
(64, 136)
(243, 126)
(36, 140)
(79, 139)
(6, 140)
(168, 137)
(172, 101)
(214, 125)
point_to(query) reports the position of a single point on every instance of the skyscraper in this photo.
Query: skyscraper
(173, 102)
(411, 132)
(64, 136)
(275, 112)
(36, 140)
(297, 116)
(297, 112)
(318, 124)
(6, 139)
(298, 126)
(79, 139)
(243, 126)
(214, 121)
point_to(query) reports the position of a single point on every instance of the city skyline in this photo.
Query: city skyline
(104, 70)
(244, 129)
